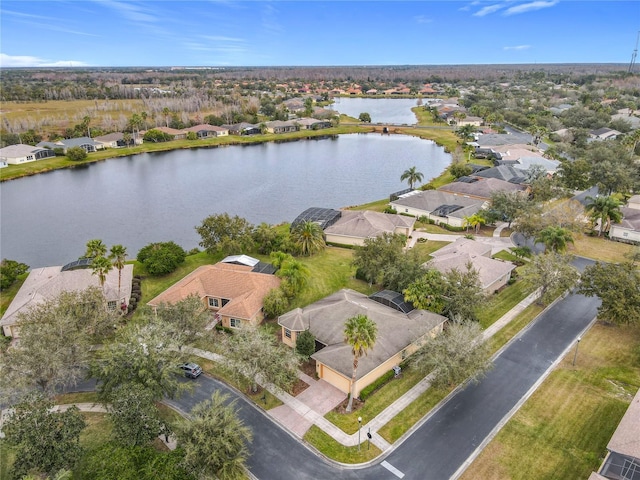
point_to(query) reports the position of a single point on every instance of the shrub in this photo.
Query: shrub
(76, 154)
(389, 209)
(9, 272)
(161, 258)
(275, 303)
(372, 387)
(306, 344)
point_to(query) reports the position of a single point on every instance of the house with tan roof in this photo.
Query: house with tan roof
(232, 290)
(482, 188)
(438, 206)
(354, 227)
(622, 461)
(493, 274)
(204, 130)
(43, 284)
(401, 331)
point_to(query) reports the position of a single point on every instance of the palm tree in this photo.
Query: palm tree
(95, 248)
(295, 275)
(308, 237)
(360, 332)
(474, 221)
(118, 256)
(412, 176)
(555, 239)
(605, 209)
(166, 112)
(101, 267)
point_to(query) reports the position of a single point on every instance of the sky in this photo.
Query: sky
(223, 33)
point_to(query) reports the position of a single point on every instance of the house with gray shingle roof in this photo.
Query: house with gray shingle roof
(46, 283)
(628, 230)
(88, 144)
(21, 153)
(438, 206)
(354, 227)
(399, 335)
(482, 188)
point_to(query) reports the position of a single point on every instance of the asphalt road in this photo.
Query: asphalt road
(441, 445)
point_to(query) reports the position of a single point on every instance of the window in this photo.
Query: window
(224, 301)
(235, 323)
(213, 302)
(111, 304)
(625, 234)
(287, 333)
(630, 470)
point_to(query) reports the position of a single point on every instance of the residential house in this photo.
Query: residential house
(354, 227)
(88, 144)
(115, 140)
(204, 130)
(493, 274)
(43, 284)
(21, 153)
(312, 124)
(232, 290)
(401, 331)
(506, 173)
(628, 230)
(481, 188)
(174, 133)
(469, 120)
(278, 126)
(603, 133)
(438, 206)
(242, 128)
(622, 461)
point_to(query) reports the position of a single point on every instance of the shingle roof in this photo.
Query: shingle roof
(430, 200)
(503, 172)
(326, 319)
(489, 270)
(244, 289)
(463, 246)
(483, 188)
(19, 150)
(45, 283)
(368, 224)
(626, 438)
(630, 218)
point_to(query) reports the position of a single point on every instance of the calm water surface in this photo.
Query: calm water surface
(382, 110)
(47, 219)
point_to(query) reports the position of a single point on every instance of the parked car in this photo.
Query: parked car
(191, 370)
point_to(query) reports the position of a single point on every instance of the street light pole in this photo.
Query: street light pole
(575, 354)
(359, 425)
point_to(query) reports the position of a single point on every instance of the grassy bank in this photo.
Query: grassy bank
(563, 429)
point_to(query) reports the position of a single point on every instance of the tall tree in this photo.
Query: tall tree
(183, 321)
(412, 176)
(555, 239)
(95, 248)
(215, 440)
(507, 205)
(463, 293)
(553, 273)
(46, 441)
(55, 341)
(427, 292)
(295, 275)
(604, 210)
(360, 333)
(118, 256)
(618, 287)
(231, 235)
(255, 352)
(474, 221)
(455, 355)
(376, 255)
(308, 237)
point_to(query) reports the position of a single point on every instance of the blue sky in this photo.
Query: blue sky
(263, 33)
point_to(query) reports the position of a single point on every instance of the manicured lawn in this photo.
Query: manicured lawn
(79, 397)
(6, 296)
(500, 303)
(510, 330)
(563, 429)
(428, 247)
(377, 402)
(338, 452)
(599, 248)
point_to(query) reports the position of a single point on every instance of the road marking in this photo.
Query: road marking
(392, 469)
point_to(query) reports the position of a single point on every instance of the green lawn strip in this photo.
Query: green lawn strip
(428, 247)
(408, 417)
(78, 397)
(7, 457)
(500, 303)
(98, 430)
(562, 431)
(329, 447)
(7, 296)
(376, 403)
(506, 256)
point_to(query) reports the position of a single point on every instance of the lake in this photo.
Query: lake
(47, 219)
(382, 110)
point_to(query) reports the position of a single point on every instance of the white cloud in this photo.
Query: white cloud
(529, 7)
(518, 47)
(422, 19)
(7, 61)
(488, 9)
